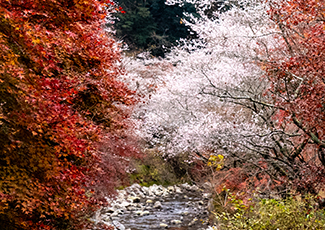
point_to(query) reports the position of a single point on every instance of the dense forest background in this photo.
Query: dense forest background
(155, 26)
(152, 25)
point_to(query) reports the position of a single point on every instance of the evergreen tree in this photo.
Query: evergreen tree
(151, 25)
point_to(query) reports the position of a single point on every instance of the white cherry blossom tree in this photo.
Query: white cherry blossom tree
(212, 96)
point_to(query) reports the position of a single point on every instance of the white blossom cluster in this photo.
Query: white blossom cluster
(207, 86)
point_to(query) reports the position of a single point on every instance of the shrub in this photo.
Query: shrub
(152, 169)
(271, 214)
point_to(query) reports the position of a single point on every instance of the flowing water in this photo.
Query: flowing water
(185, 211)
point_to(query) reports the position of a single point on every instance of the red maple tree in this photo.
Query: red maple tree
(59, 98)
(296, 71)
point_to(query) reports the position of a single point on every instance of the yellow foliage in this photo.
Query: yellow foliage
(216, 161)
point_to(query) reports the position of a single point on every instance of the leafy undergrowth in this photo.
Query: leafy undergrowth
(290, 213)
(155, 169)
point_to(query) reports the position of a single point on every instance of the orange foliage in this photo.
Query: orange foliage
(59, 95)
(297, 72)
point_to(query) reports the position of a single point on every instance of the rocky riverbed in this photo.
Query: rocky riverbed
(156, 207)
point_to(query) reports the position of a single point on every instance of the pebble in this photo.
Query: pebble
(134, 199)
(176, 222)
(157, 204)
(163, 225)
(144, 213)
(109, 210)
(192, 222)
(170, 189)
(118, 225)
(207, 196)
(178, 190)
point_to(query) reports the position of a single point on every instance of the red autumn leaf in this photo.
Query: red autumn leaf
(59, 93)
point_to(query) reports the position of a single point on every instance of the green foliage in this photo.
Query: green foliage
(151, 25)
(272, 214)
(152, 169)
(135, 26)
(169, 25)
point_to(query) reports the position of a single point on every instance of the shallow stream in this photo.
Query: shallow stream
(156, 207)
(188, 210)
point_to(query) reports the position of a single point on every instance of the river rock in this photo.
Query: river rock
(157, 190)
(114, 214)
(163, 225)
(135, 188)
(144, 213)
(157, 204)
(138, 212)
(108, 210)
(186, 186)
(134, 199)
(147, 208)
(178, 189)
(170, 189)
(131, 208)
(118, 225)
(195, 188)
(123, 205)
(192, 222)
(176, 222)
(206, 196)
